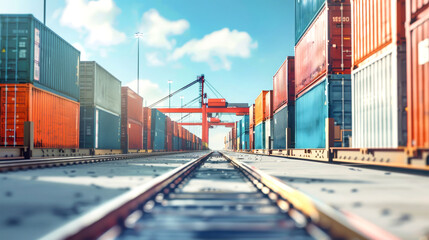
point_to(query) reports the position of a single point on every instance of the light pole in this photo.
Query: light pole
(169, 93)
(181, 106)
(138, 35)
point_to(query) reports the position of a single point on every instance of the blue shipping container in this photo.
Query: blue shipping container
(239, 128)
(331, 98)
(284, 118)
(260, 136)
(245, 141)
(158, 121)
(175, 143)
(305, 13)
(99, 129)
(245, 124)
(33, 53)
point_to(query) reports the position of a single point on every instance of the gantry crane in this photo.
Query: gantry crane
(205, 109)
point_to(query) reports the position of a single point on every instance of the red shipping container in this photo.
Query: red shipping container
(268, 114)
(131, 120)
(252, 116)
(374, 26)
(284, 84)
(418, 79)
(216, 102)
(55, 118)
(251, 144)
(325, 48)
(415, 9)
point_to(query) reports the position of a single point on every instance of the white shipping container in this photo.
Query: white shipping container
(379, 100)
(268, 134)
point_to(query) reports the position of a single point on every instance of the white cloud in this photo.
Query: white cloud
(216, 48)
(95, 19)
(84, 55)
(153, 59)
(156, 29)
(150, 91)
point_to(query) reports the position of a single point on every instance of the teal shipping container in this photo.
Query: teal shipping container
(158, 130)
(284, 118)
(239, 127)
(33, 53)
(245, 141)
(245, 124)
(260, 136)
(176, 143)
(331, 98)
(99, 129)
(305, 12)
(99, 88)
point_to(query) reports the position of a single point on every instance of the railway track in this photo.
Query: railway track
(25, 164)
(215, 197)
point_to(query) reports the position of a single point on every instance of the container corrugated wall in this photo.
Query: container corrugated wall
(99, 129)
(260, 136)
(268, 134)
(283, 118)
(55, 118)
(260, 107)
(415, 9)
(325, 48)
(418, 74)
(147, 123)
(379, 101)
(376, 24)
(131, 120)
(252, 115)
(284, 84)
(331, 98)
(305, 12)
(268, 114)
(33, 53)
(244, 141)
(158, 130)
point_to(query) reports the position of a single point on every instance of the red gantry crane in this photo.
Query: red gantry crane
(218, 105)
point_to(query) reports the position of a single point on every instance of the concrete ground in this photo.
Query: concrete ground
(35, 202)
(396, 202)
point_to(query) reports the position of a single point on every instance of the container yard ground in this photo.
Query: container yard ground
(396, 202)
(36, 202)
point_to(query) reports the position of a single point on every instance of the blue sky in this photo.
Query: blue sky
(238, 45)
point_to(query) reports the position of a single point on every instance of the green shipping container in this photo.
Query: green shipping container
(32, 53)
(99, 88)
(99, 129)
(305, 12)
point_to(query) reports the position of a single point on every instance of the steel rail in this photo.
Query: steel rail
(309, 210)
(25, 164)
(108, 219)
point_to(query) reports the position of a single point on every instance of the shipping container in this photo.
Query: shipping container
(169, 125)
(99, 88)
(147, 122)
(33, 53)
(260, 107)
(325, 48)
(415, 9)
(268, 114)
(55, 118)
(234, 136)
(251, 138)
(418, 76)
(260, 136)
(245, 141)
(331, 98)
(379, 101)
(99, 129)
(268, 134)
(284, 118)
(252, 115)
(305, 12)
(376, 24)
(131, 120)
(245, 124)
(216, 102)
(158, 130)
(284, 84)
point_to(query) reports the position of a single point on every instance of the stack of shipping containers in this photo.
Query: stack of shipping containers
(100, 108)
(268, 119)
(168, 134)
(260, 106)
(239, 131)
(147, 123)
(251, 127)
(131, 120)
(176, 143)
(284, 105)
(322, 71)
(417, 37)
(158, 130)
(39, 82)
(245, 133)
(379, 74)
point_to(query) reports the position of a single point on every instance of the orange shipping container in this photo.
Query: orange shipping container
(260, 107)
(415, 8)
(418, 80)
(268, 105)
(252, 116)
(376, 24)
(55, 118)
